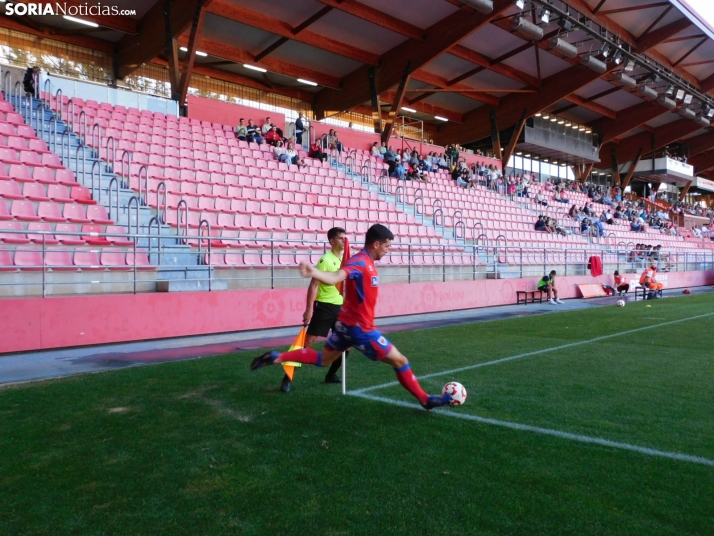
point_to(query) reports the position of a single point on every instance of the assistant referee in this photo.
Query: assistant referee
(323, 302)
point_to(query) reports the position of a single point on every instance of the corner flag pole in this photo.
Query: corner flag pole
(341, 287)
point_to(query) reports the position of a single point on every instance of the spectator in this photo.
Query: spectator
(547, 285)
(558, 196)
(540, 200)
(648, 280)
(28, 82)
(299, 128)
(621, 285)
(383, 148)
(540, 224)
(294, 156)
(280, 154)
(316, 151)
(442, 162)
(266, 127)
(272, 137)
(390, 157)
(253, 133)
(241, 131)
(399, 171)
(375, 151)
(332, 141)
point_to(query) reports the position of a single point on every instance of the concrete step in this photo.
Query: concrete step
(188, 285)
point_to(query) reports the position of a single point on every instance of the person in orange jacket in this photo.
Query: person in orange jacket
(649, 281)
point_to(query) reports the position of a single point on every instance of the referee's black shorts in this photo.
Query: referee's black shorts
(324, 316)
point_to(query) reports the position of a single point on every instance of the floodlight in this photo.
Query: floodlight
(520, 4)
(593, 64)
(618, 57)
(624, 80)
(630, 65)
(680, 94)
(606, 49)
(482, 6)
(688, 98)
(565, 24)
(666, 102)
(647, 92)
(545, 15)
(526, 28)
(565, 48)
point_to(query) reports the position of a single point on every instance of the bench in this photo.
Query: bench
(523, 295)
(641, 292)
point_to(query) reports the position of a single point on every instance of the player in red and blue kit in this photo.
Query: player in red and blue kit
(355, 324)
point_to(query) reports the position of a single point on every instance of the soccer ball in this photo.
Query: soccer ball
(620, 303)
(457, 392)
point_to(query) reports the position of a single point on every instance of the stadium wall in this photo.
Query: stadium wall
(228, 113)
(60, 322)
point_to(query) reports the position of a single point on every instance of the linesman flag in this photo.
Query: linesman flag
(299, 342)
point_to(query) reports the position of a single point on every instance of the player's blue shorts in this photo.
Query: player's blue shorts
(371, 343)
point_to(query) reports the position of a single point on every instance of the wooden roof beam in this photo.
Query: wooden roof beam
(225, 9)
(442, 83)
(699, 144)
(653, 38)
(437, 39)
(626, 120)
(425, 108)
(236, 55)
(370, 14)
(134, 50)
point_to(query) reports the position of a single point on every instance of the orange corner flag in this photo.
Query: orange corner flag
(298, 343)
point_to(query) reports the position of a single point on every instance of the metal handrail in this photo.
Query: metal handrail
(96, 128)
(47, 89)
(133, 200)
(400, 197)
(145, 198)
(459, 224)
(7, 83)
(82, 125)
(58, 101)
(158, 237)
(114, 182)
(113, 159)
(65, 135)
(161, 188)
(126, 171)
(440, 223)
(365, 177)
(180, 204)
(97, 164)
(473, 231)
(84, 160)
(70, 114)
(53, 133)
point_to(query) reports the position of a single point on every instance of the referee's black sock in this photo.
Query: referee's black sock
(336, 364)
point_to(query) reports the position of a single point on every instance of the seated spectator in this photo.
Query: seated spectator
(280, 153)
(315, 151)
(540, 224)
(294, 156)
(375, 151)
(621, 286)
(547, 285)
(540, 200)
(332, 141)
(606, 217)
(399, 171)
(383, 147)
(253, 133)
(558, 196)
(442, 162)
(266, 127)
(272, 136)
(241, 130)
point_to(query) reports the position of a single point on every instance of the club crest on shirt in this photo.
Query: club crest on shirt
(375, 280)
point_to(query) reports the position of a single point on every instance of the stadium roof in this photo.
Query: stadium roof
(461, 63)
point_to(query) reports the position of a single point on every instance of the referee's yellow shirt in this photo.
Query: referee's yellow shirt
(328, 293)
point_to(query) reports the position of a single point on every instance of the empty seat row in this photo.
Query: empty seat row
(30, 258)
(52, 211)
(15, 232)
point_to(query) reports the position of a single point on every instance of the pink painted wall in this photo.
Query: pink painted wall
(227, 113)
(40, 323)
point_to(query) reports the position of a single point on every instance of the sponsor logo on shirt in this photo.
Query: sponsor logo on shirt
(375, 280)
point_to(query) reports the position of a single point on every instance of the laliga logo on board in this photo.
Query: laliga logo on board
(60, 8)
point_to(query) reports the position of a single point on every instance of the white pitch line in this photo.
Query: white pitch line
(535, 352)
(547, 431)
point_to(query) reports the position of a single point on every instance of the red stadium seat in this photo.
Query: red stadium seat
(17, 236)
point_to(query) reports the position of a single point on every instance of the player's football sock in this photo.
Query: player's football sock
(331, 376)
(307, 356)
(436, 401)
(285, 384)
(410, 383)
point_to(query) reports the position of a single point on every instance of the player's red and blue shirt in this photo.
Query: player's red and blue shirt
(361, 288)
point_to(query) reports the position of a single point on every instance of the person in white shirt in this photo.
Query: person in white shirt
(266, 126)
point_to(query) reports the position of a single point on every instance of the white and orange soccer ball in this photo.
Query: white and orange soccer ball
(620, 303)
(457, 392)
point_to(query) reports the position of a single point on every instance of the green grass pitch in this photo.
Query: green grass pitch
(207, 447)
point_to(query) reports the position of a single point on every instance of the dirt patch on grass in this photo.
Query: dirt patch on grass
(119, 409)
